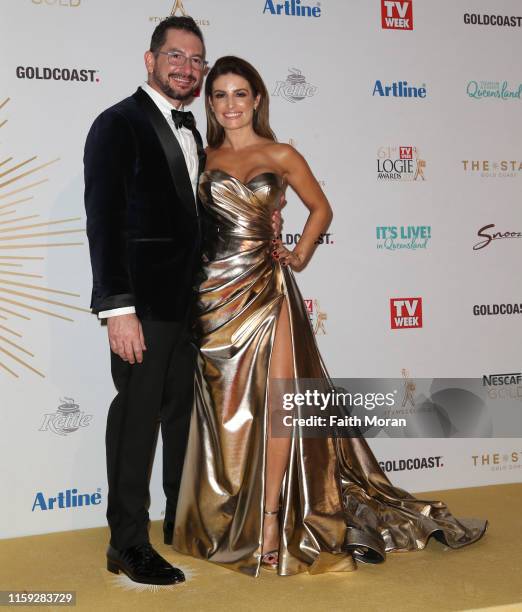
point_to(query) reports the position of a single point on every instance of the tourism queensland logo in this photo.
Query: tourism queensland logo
(498, 90)
(295, 88)
(403, 237)
(400, 163)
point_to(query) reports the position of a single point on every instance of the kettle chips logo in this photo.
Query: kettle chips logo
(400, 163)
(498, 462)
(292, 8)
(494, 20)
(406, 313)
(67, 419)
(394, 238)
(78, 75)
(399, 89)
(70, 498)
(295, 88)
(493, 169)
(488, 238)
(396, 15)
(492, 89)
(178, 8)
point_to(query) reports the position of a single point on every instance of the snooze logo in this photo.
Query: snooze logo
(406, 313)
(397, 15)
(78, 75)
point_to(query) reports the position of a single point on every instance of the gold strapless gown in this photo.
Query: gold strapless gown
(337, 504)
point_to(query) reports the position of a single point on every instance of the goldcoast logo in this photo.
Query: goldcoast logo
(178, 8)
(23, 242)
(78, 75)
(295, 88)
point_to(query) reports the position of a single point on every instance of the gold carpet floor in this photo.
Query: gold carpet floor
(486, 575)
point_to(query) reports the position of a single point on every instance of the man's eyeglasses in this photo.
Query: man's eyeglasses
(178, 59)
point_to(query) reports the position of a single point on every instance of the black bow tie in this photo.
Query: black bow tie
(185, 119)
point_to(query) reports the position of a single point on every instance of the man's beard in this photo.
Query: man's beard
(171, 93)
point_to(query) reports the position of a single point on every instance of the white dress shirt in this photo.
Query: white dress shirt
(190, 152)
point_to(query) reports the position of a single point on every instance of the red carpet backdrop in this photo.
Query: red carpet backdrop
(409, 113)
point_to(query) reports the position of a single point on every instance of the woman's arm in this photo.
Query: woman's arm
(299, 176)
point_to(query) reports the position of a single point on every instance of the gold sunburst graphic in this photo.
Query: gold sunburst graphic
(178, 6)
(23, 242)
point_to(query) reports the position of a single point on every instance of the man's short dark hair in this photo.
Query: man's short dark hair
(159, 36)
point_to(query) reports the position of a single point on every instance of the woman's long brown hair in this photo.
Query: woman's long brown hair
(230, 64)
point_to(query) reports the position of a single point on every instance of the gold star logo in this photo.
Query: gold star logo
(23, 241)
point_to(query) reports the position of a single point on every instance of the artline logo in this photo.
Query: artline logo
(400, 237)
(406, 313)
(498, 462)
(399, 89)
(400, 163)
(295, 88)
(500, 90)
(492, 169)
(397, 15)
(489, 237)
(410, 464)
(317, 316)
(289, 239)
(292, 8)
(491, 310)
(503, 386)
(63, 3)
(78, 75)
(70, 498)
(178, 8)
(67, 419)
(492, 20)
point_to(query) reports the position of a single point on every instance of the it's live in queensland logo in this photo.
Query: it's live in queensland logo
(500, 90)
(397, 15)
(66, 500)
(406, 313)
(400, 163)
(292, 8)
(399, 89)
(403, 237)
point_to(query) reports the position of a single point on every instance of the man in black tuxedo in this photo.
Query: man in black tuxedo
(142, 160)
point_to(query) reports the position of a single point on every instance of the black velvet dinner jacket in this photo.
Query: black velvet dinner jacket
(143, 223)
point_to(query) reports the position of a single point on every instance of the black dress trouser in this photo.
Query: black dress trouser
(158, 391)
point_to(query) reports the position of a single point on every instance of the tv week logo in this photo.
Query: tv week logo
(397, 15)
(406, 313)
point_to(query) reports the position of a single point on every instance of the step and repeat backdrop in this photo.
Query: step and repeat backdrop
(409, 114)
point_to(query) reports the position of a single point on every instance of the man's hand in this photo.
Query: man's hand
(126, 337)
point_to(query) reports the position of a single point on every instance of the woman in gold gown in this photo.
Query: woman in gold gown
(248, 498)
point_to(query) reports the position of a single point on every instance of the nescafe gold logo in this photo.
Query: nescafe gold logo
(58, 3)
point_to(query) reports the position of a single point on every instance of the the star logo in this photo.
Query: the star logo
(178, 6)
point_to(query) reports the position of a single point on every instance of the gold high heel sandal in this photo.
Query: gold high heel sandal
(270, 559)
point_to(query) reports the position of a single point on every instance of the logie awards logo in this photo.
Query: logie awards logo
(178, 9)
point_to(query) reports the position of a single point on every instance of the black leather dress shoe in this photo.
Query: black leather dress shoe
(168, 532)
(143, 564)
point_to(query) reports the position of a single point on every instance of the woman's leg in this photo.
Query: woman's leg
(281, 366)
